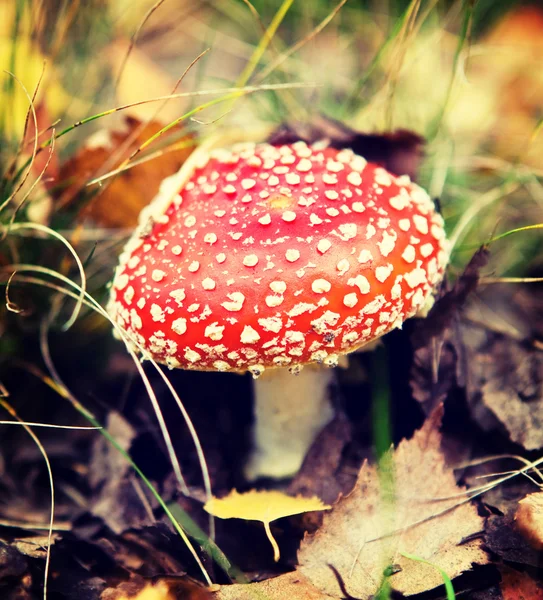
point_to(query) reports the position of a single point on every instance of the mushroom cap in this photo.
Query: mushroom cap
(271, 256)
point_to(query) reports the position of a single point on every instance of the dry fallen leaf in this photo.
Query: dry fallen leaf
(370, 529)
(164, 589)
(119, 200)
(293, 586)
(265, 506)
(516, 585)
(529, 519)
(140, 591)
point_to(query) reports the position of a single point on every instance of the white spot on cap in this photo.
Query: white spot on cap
(343, 266)
(386, 245)
(236, 302)
(358, 207)
(208, 284)
(331, 194)
(194, 266)
(332, 212)
(292, 255)
(383, 273)
(192, 356)
(350, 300)
(265, 220)
(273, 181)
(273, 301)
(278, 287)
(158, 275)
(348, 230)
(129, 295)
(214, 331)
(179, 326)
(409, 254)
(292, 178)
(365, 256)
(315, 219)
(415, 277)
(361, 283)
(329, 178)
(178, 296)
(382, 177)
(324, 245)
(328, 319)
(220, 258)
(135, 320)
(249, 335)
(221, 365)
(229, 189)
(399, 202)
(157, 313)
(248, 184)
(304, 165)
(273, 324)
(289, 216)
(190, 221)
(177, 250)
(122, 281)
(321, 286)
(370, 231)
(426, 250)
(250, 260)
(219, 213)
(354, 178)
(421, 224)
(210, 238)
(404, 224)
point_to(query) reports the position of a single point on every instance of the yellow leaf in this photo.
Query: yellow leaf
(265, 506)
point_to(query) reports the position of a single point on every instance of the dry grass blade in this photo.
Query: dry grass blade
(36, 181)
(134, 38)
(49, 425)
(483, 201)
(91, 302)
(138, 130)
(17, 227)
(279, 60)
(12, 412)
(31, 110)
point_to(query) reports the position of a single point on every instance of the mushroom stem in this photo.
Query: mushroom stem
(290, 410)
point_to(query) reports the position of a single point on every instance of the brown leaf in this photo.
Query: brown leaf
(400, 152)
(120, 199)
(504, 539)
(513, 390)
(519, 586)
(370, 529)
(163, 589)
(318, 475)
(293, 586)
(529, 519)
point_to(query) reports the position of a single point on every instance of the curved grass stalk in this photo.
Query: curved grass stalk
(228, 94)
(479, 205)
(279, 60)
(92, 303)
(36, 181)
(30, 161)
(59, 387)
(50, 425)
(7, 406)
(134, 39)
(16, 227)
(449, 589)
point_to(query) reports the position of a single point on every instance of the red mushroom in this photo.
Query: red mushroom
(263, 258)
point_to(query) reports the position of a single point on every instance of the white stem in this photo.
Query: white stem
(290, 410)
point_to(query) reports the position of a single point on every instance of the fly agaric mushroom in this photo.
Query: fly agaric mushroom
(266, 258)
